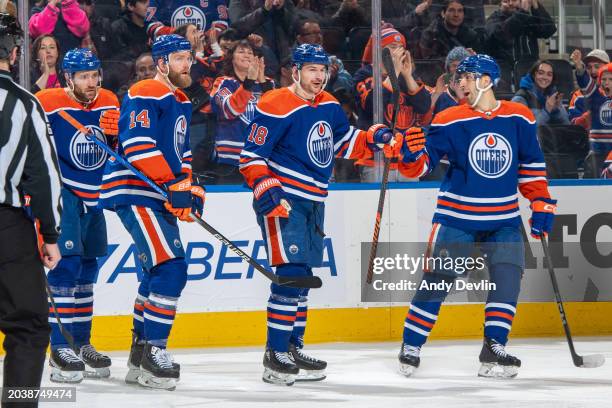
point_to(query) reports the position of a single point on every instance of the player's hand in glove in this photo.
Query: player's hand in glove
(392, 150)
(270, 199)
(179, 197)
(198, 198)
(378, 136)
(413, 145)
(542, 216)
(109, 122)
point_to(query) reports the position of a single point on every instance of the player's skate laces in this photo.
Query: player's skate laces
(311, 369)
(98, 361)
(279, 367)
(409, 359)
(496, 362)
(157, 369)
(66, 366)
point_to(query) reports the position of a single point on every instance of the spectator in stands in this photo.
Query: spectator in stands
(203, 14)
(415, 99)
(513, 30)
(309, 32)
(598, 96)
(345, 170)
(63, 19)
(235, 95)
(578, 111)
(45, 75)
(474, 12)
(539, 93)
(99, 37)
(448, 30)
(345, 14)
(404, 15)
(271, 19)
(447, 92)
(144, 68)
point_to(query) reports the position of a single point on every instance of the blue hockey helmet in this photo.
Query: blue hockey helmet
(309, 54)
(480, 64)
(165, 45)
(80, 59)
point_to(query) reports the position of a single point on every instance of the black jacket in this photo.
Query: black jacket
(436, 41)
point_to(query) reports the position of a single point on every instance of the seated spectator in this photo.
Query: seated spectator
(512, 31)
(309, 32)
(404, 15)
(598, 96)
(539, 93)
(447, 92)
(270, 19)
(203, 14)
(448, 31)
(144, 68)
(99, 36)
(332, 13)
(63, 19)
(235, 96)
(578, 112)
(474, 12)
(45, 73)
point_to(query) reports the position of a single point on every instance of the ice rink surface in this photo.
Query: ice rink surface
(365, 375)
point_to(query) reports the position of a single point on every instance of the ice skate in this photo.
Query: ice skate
(66, 366)
(496, 362)
(409, 359)
(311, 369)
(157, 369)
(279, 368)
(97, 362)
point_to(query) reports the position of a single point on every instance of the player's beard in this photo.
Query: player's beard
(87, 95)
(179, 80)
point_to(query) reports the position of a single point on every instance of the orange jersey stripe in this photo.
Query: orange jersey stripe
(62, 310)
(301, 314)
(83, 309)
(229, 149)
(86, 195)
(159, 309)
(124, 182)
(532, 172)
(139, 147)
(160, 253)
(478, 209)
(281, 317)
(419, 321)
(300, 185)
(138, 306)
(500, 314)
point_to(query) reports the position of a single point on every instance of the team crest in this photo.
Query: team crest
(180, 133)
(85, 154)
(605, 113)
(490, 155)
(188, 15)
(320, 144)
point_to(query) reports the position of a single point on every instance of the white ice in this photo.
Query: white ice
(365, 375)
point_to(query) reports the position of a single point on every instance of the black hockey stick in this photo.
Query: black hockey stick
(291, 281)
(588, 361)
(388, 64)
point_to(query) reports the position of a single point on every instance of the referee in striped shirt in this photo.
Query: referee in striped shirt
(28, 164)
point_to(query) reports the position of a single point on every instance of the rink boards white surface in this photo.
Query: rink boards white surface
(365, 375)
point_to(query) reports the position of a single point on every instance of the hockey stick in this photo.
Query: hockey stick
(588, 361)
(291, 281)
(388, 64)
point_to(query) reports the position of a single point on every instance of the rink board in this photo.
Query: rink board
(224, 301)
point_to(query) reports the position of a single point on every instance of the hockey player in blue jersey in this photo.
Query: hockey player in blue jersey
(154, 138)
(492, 149)
(83, 228)
(287, 160)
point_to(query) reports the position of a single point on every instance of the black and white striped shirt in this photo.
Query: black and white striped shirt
(28, 161)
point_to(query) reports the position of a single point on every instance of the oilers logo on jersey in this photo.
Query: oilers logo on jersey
(320, 144)
(85, 154)
(189, 15)
(490, 155)
(180, 133)
(605, 113)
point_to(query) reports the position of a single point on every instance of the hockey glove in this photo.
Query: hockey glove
(179, 197)
(378, 136)
(413, 145)
(109, 122)
(198, 198)
(542, 216)
(270, 199)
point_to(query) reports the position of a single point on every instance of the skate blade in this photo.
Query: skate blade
(310, 375)
(492, 370)
(132, 375)
(59, 376)
(274, 377)
(406, 369)
(97, 373)
(148, 380)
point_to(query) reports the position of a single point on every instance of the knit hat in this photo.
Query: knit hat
(456, 54)
(387, 36)
(599, 55)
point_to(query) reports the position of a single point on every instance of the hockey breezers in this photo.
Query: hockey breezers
(388, 63)
(588, 361)
(290, 281)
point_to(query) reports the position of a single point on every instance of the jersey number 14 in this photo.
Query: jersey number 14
(141, 119)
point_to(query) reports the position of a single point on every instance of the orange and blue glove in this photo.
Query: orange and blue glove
(109, 122)
(378, 136)
(270, 198)
(198, 198)
(179, 197)
(413, 145)
(542, 216)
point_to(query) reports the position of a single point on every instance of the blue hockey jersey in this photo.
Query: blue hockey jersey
(81, 160)
(154, 138)
(296, 141)
(202, 13)
(600, 134)
(489, 156)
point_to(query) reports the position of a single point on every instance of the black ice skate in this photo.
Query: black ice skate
(136, 351)
(311, 369)
(496, 362)
(66, 366)
(409, 359)
(99, 362)
(157, 369)
(279, 368)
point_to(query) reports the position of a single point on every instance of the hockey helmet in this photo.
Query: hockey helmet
(309, 54)
(80, 59)
(479, 65)
(165, 45)
(10, 34)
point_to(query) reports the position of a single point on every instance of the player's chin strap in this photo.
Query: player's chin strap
(298, 81)
(481, 91)
(165, 74)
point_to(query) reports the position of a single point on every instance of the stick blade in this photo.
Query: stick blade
(311, 282)
(592, 361)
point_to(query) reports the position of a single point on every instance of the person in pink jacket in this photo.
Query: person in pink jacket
(62, 18)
